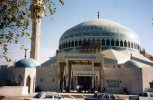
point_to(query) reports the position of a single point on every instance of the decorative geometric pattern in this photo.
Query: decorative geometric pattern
(100, 29)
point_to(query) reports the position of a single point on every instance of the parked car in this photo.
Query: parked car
(45, 96)
(2, 97)
(142, 96)
(102, 96)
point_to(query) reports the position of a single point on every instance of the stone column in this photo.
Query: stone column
(69, 75)
(102, 74)
(62, 65)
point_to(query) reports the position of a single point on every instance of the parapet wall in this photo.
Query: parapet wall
(14, 90)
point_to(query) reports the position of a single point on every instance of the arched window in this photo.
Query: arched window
(108, 42)
(121, 43)
(98, 40)
(89, 42)
(80, 43)
(93, 41)
(117, 42)
(103, 42)
(128, 44)
(69, 44)
(84, 42)
(112, 42)
(125, 43)
(72, 44)
(66, 45)
(76, 43)
(131, 44)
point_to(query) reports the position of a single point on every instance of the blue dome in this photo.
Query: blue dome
(27, 63)
(109, 33)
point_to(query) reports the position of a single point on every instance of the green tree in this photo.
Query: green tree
(15, 20)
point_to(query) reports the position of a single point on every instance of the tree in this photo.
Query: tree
(15, 20)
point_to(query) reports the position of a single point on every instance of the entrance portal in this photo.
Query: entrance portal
(85, 82)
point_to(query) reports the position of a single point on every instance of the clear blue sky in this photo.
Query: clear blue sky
(135, 14)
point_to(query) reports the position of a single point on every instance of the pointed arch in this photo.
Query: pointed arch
(112, 42)
(121, 43)
(134, 45)
(80, 42)
(84, 42)
(76, 43)
(103, 42)
(117, 42)
(72, 43)
(69, 44)
(108, 42)
(125, 43)
(129, 44)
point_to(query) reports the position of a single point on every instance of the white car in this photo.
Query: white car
(45, 96)
(142, 96)
(146, 96)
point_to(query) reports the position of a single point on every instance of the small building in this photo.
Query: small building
(20, 76)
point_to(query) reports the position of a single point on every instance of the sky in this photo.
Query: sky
(135, 14)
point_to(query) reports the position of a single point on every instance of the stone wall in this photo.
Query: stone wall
(13, 90)
(129, 79)
(147, 78)
(47, 78)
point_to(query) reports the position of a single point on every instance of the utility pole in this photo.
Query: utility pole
(37, 11)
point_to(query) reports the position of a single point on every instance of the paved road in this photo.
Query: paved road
(64, 95)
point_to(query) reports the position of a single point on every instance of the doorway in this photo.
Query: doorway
(85, 82)
(28, 83)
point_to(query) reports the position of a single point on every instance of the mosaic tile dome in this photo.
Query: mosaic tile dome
(26, 63)
(110, 34)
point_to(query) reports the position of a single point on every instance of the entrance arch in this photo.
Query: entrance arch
(28, 83)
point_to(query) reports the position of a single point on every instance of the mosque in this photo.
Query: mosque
(97, 54)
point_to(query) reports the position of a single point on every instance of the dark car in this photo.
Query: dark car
(2, 97)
